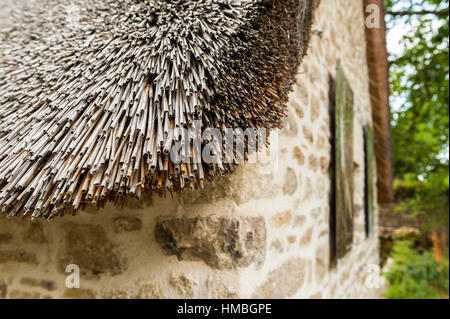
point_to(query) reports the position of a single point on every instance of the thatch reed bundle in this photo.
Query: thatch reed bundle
(94, 94)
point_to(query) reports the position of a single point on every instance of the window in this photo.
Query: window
(341, 170)
(369, 183)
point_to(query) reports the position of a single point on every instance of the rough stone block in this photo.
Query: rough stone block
(284, 281)
(313, 162)
(235, 187)
(324, 164)
(321, 267)
(125, 224)
(290, 127)
(34, 234)
(220, 242)
(148, 290)
(282, 219)
(79, 294)
(299, 156)
(306, 239)
(219, 289)
(18, 294)
(183, 285)
(3, 289)
(19, 256)
(41, 283)
(88, 247)
(290, 182)
(5, 238)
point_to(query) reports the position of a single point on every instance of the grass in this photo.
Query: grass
(415, 275)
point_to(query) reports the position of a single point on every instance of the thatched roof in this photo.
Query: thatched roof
(377, 60)
(93, 93)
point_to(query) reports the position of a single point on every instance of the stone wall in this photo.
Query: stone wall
(250, 235)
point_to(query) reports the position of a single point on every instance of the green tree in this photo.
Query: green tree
(420, 105)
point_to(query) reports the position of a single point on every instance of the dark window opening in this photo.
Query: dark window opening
(332, 169)
(341, 169)
(369, 183)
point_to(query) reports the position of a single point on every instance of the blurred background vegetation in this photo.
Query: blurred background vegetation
(418, 41)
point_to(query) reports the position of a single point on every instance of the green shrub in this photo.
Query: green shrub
(416, 276)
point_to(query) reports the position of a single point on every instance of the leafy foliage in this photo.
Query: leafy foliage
(420, 104)
(416, 276)
(419, 77)
(427, 199)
